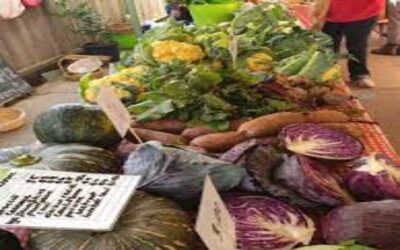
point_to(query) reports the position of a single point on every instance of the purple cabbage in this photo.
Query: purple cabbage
(375, 177)
(375, 224)
(320, 142)
(268, 224)
(312, 180)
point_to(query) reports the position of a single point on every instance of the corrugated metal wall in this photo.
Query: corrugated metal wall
(38, 37)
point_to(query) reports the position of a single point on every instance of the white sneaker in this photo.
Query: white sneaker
(364, 82)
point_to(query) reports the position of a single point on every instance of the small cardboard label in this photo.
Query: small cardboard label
(63, 200)
(214, 223)
(114, 109)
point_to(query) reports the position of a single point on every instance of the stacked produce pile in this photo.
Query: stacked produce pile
(241, 103)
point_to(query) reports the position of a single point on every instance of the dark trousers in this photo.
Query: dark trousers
(357, 36)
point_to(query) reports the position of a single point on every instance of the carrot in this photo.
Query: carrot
(172, 126)
(164, 138)
(269, 125)
(192, 133)
(219, 142)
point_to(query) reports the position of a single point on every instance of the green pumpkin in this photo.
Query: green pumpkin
(61, 157)
(148, 223)
(76, 123)
(9, 241)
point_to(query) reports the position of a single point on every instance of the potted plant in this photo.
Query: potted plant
(210, 12)
(88, 22)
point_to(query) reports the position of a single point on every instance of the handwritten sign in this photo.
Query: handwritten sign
(63, 200)
(114, 109)
(214, 223)
(12, 85)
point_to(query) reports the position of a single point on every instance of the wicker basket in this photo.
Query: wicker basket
(64, 62)
(11, 119)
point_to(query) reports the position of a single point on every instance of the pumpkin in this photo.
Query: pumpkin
(9, 241)
(61, 157)
(179, 174)
(147, 223)
(76, 123)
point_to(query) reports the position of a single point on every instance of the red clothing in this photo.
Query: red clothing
(343, 11)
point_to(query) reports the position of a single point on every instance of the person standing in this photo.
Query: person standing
(392, 46)
(352, 20)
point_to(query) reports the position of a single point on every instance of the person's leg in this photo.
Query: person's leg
(334, 31)
(357, 36)
(393, 45)
(394, 23)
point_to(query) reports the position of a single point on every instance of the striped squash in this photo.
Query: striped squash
(61, 157)
(148, 223)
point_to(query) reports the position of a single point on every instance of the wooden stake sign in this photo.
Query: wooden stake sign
(116, 111)
(214, 223)
(63, 200)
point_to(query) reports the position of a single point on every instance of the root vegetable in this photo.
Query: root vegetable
(327, 116)
(166, 125)
(192, 133)
(219, 142)
(235, 124)
(270, 124)
(164, 138)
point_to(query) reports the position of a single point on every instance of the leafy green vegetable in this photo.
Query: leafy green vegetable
(348, 245)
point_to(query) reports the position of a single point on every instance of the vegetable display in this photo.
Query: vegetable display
(148, 222)
(265, 223)
(62, 157)
(76, 123)
(179, 174)
(375, 177)
(207, 76)
(253, 104)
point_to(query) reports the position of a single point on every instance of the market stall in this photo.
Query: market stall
(243, 136)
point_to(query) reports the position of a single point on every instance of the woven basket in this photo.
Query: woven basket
(11, 119)
(64, 62)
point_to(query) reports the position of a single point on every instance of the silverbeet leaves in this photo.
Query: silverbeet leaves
(202, 95)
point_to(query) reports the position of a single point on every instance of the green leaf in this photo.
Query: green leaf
(159, 111)
(84, 84)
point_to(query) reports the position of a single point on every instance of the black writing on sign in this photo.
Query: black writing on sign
(63, 200)
(12, 86)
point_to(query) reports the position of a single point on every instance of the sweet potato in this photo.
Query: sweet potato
(327, 116)
(351, 129)
(164, 138)
(166, 125)
(219, 142)
(192, 133)
(270, 124)
(235, 124)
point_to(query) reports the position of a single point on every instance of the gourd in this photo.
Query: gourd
(61, 157)
(148, 222)
(76, 123)
(9, 241)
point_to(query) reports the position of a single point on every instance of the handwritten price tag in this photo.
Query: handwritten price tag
(114, 109)
(214, 223)
(63, 200)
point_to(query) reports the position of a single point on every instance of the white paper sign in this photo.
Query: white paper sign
(63, 200)
(214, 223)
(114, 109)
